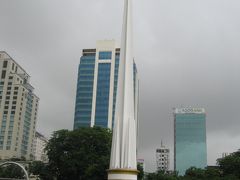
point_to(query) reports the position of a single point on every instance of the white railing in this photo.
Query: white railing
(17, 164)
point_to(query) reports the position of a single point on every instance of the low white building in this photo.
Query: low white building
(40, 143)
(163, 159)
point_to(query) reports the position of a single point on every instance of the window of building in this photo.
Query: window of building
(5, 63)
(103, 55)
(3, 74)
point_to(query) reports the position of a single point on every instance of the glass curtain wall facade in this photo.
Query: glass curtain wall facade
(102, 100)
(189, 139)
(97, 86)
(83, 106)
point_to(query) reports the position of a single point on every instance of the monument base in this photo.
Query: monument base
(122, 174)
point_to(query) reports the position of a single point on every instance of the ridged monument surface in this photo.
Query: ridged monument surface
(123, 163)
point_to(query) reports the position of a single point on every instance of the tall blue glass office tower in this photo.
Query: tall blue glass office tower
(97, 86)
(190, 148)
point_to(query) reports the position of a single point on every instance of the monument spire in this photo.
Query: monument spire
(123, 164)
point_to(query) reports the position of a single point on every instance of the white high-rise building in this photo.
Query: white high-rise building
(18, 110)
(163, 159)
(40, 143)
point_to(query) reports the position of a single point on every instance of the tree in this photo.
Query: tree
(161, 175)
(80, 154)
(40, 169)
(195, 173)
(230, 165)
(141, 173)
(11, 171)
(212, 173)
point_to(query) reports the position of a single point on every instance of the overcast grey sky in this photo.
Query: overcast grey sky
(187, 53)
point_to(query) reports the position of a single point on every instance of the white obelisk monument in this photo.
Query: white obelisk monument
(123, 163)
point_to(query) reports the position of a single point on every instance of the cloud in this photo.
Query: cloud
(187, 54)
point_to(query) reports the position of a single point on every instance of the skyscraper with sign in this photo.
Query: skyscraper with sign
(97, 86)
(190, 147)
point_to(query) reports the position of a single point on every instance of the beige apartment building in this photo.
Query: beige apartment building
(40, 143)
(18, 110)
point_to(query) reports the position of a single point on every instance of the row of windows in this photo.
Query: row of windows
(86, 77)
(86, 66)
(84, 89)
(84, 94)
(88, 72)
(84, 101)
(105, 55)
(83, 112)
(5, 64)
(82, 118)
(78, 124)
(87, 60)
(85, 83)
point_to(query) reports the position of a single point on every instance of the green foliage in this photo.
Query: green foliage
(161, 175)
(40, 169)
(80, 154)
(212, 173)
(11, 171)
(195, 173)
(230, 165)
(141, 173)
(228, 169)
